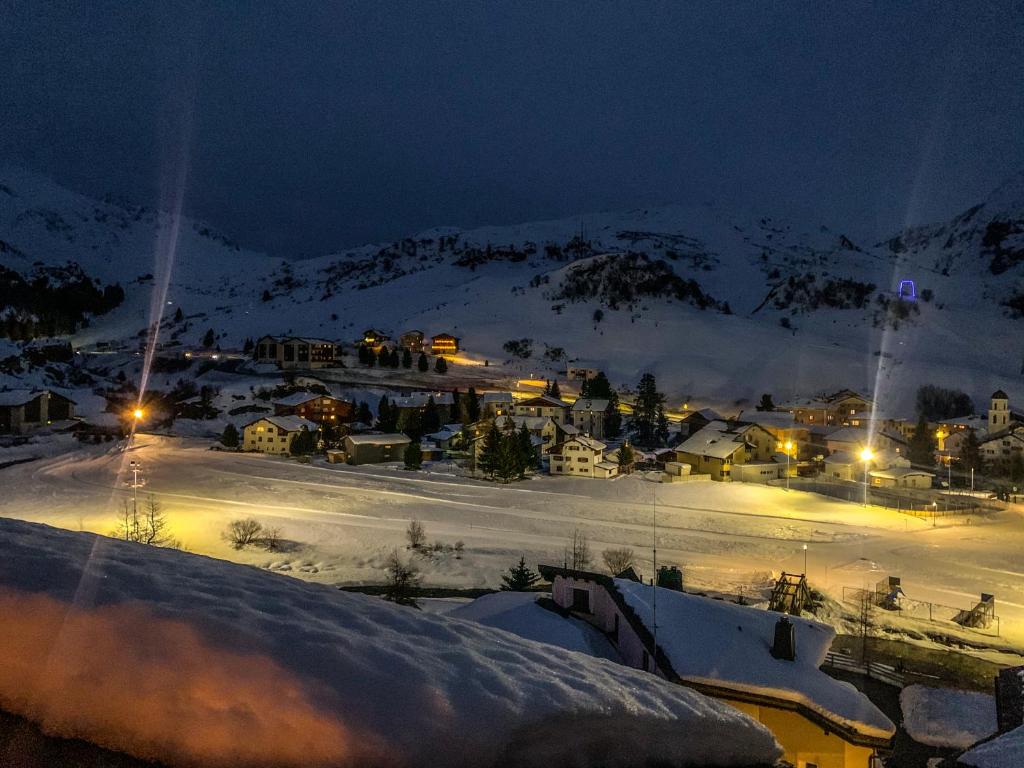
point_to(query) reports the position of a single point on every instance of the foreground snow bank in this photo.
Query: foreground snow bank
(197, 661)
(943, 717)
(1006, 751)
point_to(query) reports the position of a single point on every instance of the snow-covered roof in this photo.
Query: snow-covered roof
(14, 397)
(715, 440)
(569, 429)
(897, 473)
(496, 397)
(519, 613)
(388, 438)
(966, 421)
(1006, 751)
(298, 398)
(543, 401)
(608, 465)
(350, 678)
(532, 422)
(852, 435)
(774, 419)
(420, 399)
(727, 646)
(287, 423)
(587, 442)
(588, 404)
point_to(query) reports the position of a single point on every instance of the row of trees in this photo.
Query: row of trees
(391, 358)
(507, 455)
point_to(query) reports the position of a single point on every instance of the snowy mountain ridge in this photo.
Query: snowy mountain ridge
(712, 293)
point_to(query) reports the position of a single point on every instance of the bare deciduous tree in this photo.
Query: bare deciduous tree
(618, 560)
(271, 539)
(241, 533)
(865, 621)
(147, 526)
(416, 534)
(401, 581)
(580, 559)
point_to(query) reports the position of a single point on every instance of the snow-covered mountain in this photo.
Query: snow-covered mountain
(720, 307)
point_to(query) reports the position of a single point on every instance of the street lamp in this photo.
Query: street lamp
(866, 456)
(137, 414)
(789, 447)
(805, 561)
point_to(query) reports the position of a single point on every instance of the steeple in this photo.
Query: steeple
(998, 412)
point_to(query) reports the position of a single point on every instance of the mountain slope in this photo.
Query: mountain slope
(721, 308)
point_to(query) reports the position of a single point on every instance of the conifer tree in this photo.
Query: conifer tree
(387, 417)
(440, 365)
(766, 403)
(509, 460)
(645, 411)
(422, 363)
(413, 456)
(921, 448)
(554, 391)
(456, 405)
(661, 428)
(229, 438)
(303, 444)
(406, 358)
(488, 460)
(527, 454)
(626, 458)
(208, 339)
(431, 417)
(547, 387)
(472, 406)
(364, 414)
(520, 578)
(363, 354)
(613, 419)
(413, 425)
(970, 453)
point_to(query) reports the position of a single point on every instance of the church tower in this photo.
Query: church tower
(998, 412)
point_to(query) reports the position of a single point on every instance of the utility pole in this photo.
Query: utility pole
(654, 602)
(136, 468)
(805, 561)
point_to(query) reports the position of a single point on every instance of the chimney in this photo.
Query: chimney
(784, 646)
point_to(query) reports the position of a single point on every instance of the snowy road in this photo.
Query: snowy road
(342, 521)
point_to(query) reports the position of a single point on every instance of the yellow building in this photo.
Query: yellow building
(716, 448)
(444, 344)
(274, 434)
(763, 663)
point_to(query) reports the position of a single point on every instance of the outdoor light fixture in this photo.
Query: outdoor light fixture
(137, 414)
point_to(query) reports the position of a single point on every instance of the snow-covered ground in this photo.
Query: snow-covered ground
(171, 656)
(944, 717)
(341, 522)
(1006, 751)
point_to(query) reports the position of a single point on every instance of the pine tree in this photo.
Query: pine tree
(413, 455)
(422, 363)
(178, 315)
(527, 453)
(248, 346)
(363, 413)
(208, 339)
(456, 405)
(921, 448)
(626, 458)
(488, 461)
(413, 424)
(440, 365)
(599, 387)
(554, 391)
(431, 417)
(766, 403)
(363, 354)
(645, 410)
(472, 406)
(613, 419)
(387, 416)
(229, 437)
(266, 295)
(519, 578)
(371, 358)
(661, 428)
(970, 453)
(302, 444)
(384, 357)
(547, 387)
(406, 358)
(509, 463)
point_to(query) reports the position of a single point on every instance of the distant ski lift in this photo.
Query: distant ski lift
(907, 290)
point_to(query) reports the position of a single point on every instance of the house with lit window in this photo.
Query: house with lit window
(1004, 442)
(494, 404)
(543, 405)
(719, 446)
(765, 664)
(296, 353)
(274, 434)
(444, 344)
(853, 440)
(322, 409)
(444, 402)
(844, 408)
(580, 456)
(373, 339)
(412, 341)
(24, 410)
(588, 415)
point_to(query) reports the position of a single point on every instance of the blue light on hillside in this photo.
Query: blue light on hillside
(907, 290)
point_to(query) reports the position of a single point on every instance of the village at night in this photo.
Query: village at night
(555, 386)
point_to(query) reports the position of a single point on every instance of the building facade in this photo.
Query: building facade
(542, 405)
(274, 434)
(444, 344)
(24, 410)
(322, 409)
(588, 415)
(374, 449)
(296, 353)
(580, 456)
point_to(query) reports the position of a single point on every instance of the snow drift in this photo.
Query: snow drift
(195, 661)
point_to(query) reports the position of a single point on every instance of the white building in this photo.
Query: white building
(588, 415)
(581, 457)
(274, 434)
(542, 405)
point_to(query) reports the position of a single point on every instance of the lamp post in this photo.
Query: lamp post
(135, 468)
(866, 456)
(789, 447)
(805, 561)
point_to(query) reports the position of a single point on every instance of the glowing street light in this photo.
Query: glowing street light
(866, 456)
(137, 414)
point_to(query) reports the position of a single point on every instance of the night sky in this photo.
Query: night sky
(311, 127)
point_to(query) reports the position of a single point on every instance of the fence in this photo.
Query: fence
(974, 619)
(919, 503)
(873, 669)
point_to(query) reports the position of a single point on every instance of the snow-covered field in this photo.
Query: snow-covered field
(944, 717)
(196, 661)
(341, 522)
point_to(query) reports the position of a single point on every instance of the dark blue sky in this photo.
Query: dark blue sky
(310, 127)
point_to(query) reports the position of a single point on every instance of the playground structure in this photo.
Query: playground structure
(790, 594)
(888, 595)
